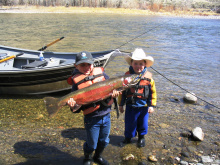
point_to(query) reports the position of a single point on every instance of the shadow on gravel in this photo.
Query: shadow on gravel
(80, 133)
(40, 153)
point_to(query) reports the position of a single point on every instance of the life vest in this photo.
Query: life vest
(83, 81)
(141, 90)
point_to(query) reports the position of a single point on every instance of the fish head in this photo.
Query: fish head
(130, 80)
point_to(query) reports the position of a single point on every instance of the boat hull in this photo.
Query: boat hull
(40, 80)
(44, 88)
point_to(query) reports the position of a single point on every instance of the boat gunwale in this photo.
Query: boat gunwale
(36, 51)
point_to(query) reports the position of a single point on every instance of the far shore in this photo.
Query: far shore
(62, 9)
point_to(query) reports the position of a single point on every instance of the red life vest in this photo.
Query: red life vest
(141, 90)
(83, 81)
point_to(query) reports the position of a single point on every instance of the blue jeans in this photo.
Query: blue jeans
(98, 130)
(136, 121)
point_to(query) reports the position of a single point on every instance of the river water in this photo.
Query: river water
(186, 51)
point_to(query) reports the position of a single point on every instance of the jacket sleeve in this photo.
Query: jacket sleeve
(152, 99)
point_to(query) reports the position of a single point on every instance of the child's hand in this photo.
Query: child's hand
(150, 109)
(115, 93)
(121, 109)
(71, 102)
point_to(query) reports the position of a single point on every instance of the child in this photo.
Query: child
(140, 100)
(97, 115)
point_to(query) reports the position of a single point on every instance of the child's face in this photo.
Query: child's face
(85, 68)
(138, 65)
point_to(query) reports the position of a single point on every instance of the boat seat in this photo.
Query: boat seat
(35, 64)
(53, 62)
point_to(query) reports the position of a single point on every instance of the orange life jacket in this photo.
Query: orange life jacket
(83, 81)
(95, 76)
(141, 90)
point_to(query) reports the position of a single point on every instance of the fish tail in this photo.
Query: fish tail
(52, 106)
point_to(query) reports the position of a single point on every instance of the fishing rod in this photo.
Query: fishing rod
(162, 74)
(184, 88)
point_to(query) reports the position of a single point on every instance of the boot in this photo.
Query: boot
(141, 141)
(88, 158)
(98, 158)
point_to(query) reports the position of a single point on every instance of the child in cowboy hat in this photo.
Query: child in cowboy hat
(140, 100)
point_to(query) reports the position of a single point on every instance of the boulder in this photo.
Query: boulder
(198, 134)
(190, 98)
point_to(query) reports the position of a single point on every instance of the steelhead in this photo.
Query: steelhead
(91, 94)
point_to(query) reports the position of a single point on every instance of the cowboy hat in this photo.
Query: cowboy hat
(139, 54)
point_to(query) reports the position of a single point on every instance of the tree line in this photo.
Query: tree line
(154, 5)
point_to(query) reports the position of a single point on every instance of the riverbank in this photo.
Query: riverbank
(62, 9)
(30, 137)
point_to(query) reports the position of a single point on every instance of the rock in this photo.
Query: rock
(206, 159)
(190, 98)
(163, 125)
(198, 134)
(177, 159)
(185, 154)
(191, 149)
(217, 143)
(183, 162)
(158, 143)
(174, 99)
(216, 161)
(39, 116)
(152, 158)
(185, 134)
(128, 157)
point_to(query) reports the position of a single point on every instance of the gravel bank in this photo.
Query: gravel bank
(28, 136)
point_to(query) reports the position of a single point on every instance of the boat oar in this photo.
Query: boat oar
(10, 57)
(45, 47)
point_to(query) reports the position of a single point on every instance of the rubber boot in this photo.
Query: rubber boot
(141, 141)
(98, 158)
(88, 158)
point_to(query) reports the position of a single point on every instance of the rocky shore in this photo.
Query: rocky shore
(28, 136)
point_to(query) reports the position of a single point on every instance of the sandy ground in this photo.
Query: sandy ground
(61, 9)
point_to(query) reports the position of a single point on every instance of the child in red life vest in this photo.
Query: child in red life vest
(140, 100)
(97, 115)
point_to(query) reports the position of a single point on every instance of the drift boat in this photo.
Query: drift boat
(22, 72)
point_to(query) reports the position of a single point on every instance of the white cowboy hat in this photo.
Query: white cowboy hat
(139, 54)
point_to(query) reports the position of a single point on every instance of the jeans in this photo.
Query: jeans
(98, 130)
(136, 120)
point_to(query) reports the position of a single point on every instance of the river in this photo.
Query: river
(186, 51)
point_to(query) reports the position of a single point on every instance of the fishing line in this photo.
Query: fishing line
(184, 88)
(137, 37)
(162, 74)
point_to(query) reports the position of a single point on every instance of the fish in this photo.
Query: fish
(91, 94)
